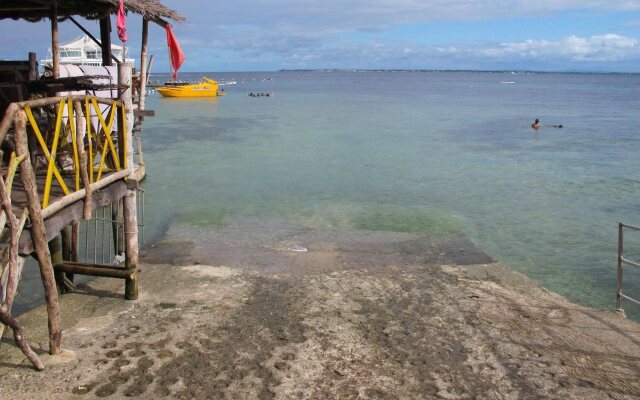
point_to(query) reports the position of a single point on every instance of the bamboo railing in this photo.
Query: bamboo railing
(85, 128)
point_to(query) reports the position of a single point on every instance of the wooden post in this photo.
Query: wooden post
(118, 234)
(57, 257)
(38, 235)
(149, 69)
(143, 63)
(81, 131)
(33, 67)
(54, 40)
(75, 242)
(105, 40)
(131, 244)
(140, 156)
(129, 200)
(70, 253)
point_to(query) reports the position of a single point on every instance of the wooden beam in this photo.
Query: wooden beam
(80, 194)
(94, 270)
(144, 113)
(105, 40)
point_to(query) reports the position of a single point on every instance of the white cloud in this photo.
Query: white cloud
(598, 48)
(311, 33)
(270, 34)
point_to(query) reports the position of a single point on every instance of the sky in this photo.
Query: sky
(261, 35)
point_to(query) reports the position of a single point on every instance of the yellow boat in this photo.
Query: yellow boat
(206, 88)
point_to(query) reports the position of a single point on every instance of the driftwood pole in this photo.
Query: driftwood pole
(38, 235)
(81, 131)
(54, 39)
(143, 63)
(129, 200)
(18, 336)
(14, 266)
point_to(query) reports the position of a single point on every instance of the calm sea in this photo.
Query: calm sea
(447, 150)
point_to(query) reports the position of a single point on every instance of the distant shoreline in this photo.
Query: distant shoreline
(410, 70)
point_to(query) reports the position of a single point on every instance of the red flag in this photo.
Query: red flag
(176, 56)
(121, 22)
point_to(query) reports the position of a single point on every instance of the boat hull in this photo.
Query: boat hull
(207, 88)
(173, 92)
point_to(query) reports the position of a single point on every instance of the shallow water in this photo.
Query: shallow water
(415, 151)
(435, 152)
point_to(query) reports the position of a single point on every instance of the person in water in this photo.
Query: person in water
(536, 124)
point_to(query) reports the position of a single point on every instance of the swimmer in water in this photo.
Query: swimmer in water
(557, 126)
(536, 124)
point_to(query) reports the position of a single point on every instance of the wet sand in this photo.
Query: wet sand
(248, 314)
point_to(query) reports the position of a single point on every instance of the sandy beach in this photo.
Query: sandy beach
(359, 315)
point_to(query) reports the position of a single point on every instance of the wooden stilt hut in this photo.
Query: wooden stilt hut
(64, 157)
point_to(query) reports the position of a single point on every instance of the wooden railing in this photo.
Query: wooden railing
(83, 127)
(622, 261)
(87, 132)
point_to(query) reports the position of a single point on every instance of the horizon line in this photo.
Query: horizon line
(523, 71)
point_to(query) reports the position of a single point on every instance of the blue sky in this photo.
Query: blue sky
(255, 35)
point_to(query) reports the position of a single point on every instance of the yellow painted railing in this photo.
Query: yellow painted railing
(99, 141)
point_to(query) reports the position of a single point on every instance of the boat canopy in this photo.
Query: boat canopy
(83, 51)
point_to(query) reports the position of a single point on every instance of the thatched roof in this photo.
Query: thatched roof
(35, 10)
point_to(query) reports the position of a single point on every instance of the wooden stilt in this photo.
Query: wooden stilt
(55, 249)
(75, 238)
(54, 39)
(129, 200)
(118, 234)
(38, 235)
(73, 254)
(65, 235)
(12, 287)
(131, 244)
(140, 156)
(14, 272)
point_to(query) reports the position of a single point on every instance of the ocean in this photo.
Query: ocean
(414, 152)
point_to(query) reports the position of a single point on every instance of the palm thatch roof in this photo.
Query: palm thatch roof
(35, 10)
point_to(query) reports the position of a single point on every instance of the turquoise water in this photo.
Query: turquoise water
(412, 151)
(437, 152)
